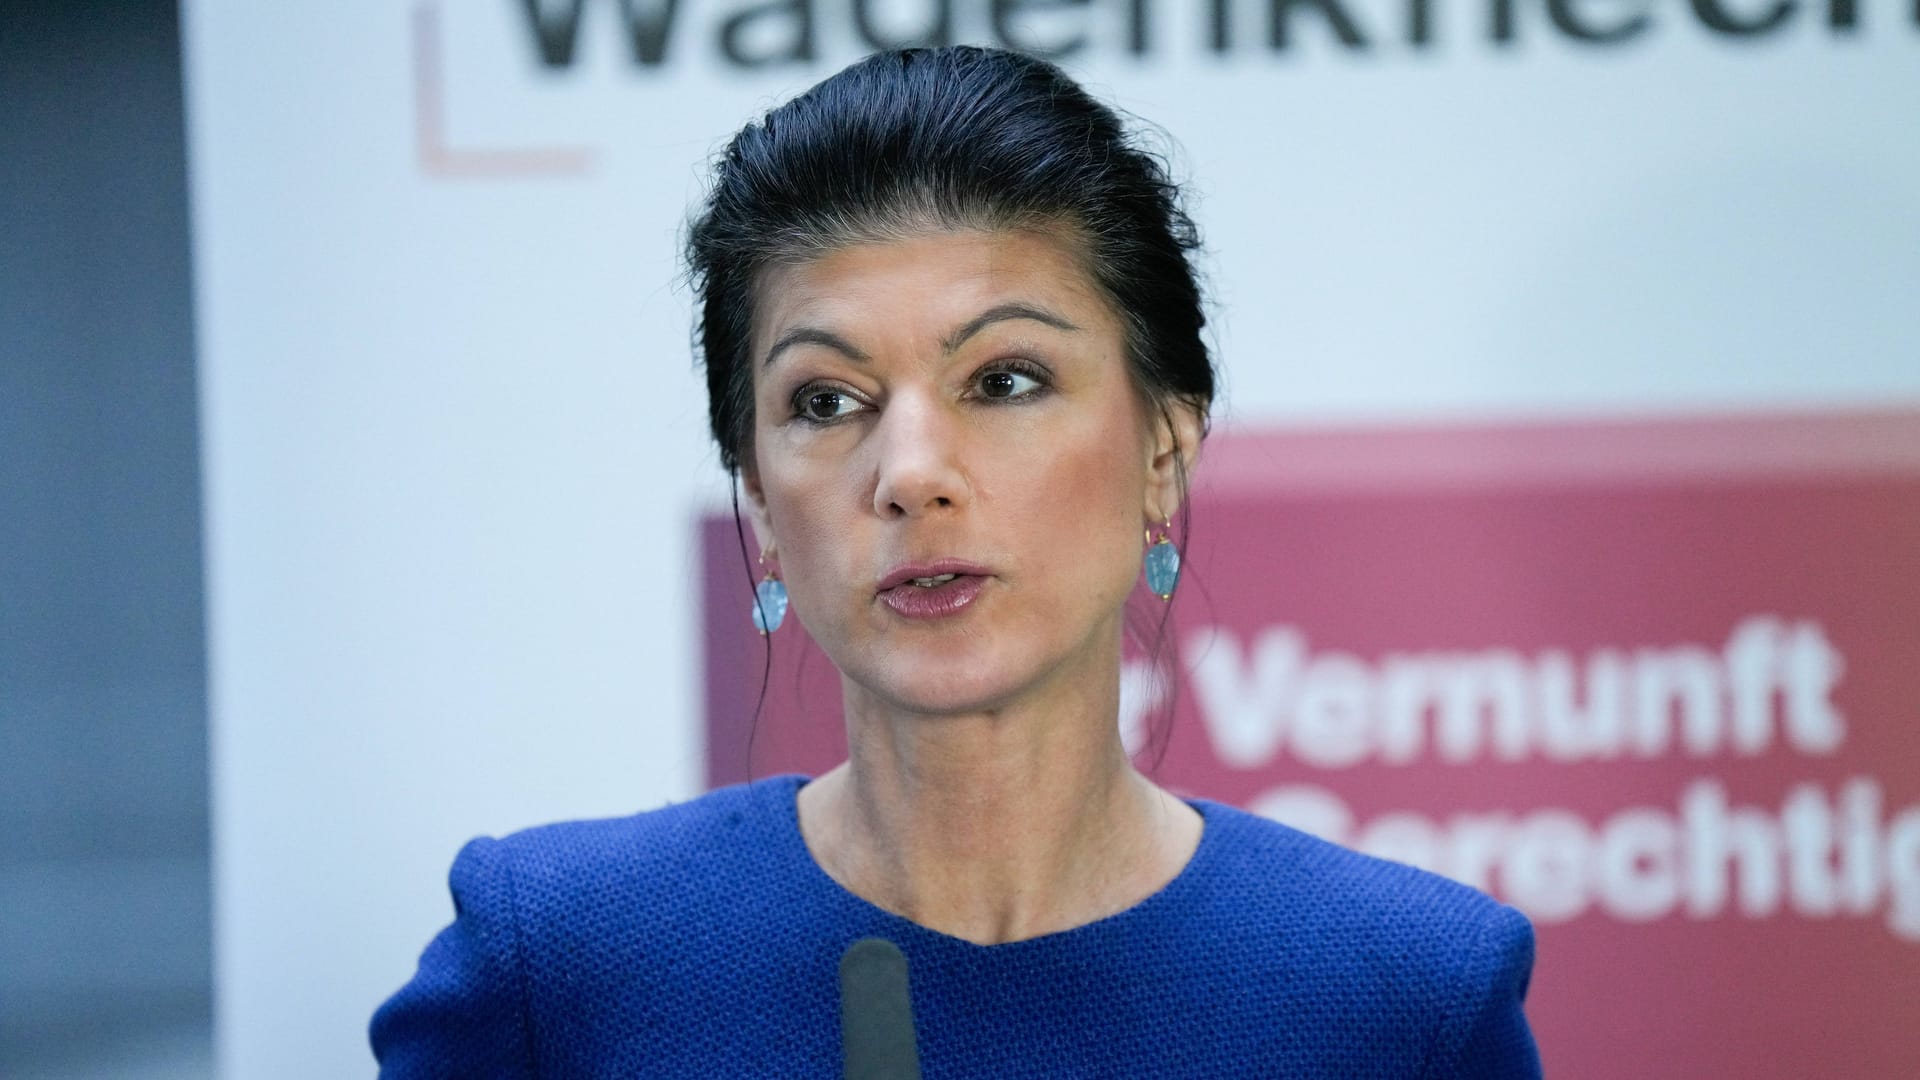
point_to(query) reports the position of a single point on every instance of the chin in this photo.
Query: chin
(950, 682)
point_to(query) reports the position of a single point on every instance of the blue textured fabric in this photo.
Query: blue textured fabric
(701, 940)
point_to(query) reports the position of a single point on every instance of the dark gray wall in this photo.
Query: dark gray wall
(104, 887)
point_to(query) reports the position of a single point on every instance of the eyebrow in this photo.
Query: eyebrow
(1001, 313)
(809, 335)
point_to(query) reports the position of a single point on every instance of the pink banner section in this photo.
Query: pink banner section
(1657, 683)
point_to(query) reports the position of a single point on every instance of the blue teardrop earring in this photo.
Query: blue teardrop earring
(1163, 562)
(769, 600)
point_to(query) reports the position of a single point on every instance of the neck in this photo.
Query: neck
(1000, 825)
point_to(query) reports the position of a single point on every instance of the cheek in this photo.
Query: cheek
(810, 522)
(1080, 512)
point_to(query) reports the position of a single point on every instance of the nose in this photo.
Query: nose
(919, 468)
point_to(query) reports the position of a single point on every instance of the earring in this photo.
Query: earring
(1163, 563)
(769, 601)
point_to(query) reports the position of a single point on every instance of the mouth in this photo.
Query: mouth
(932, 590)
(930, 575)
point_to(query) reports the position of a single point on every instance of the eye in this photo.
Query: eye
(1007, 384)
(825, 405)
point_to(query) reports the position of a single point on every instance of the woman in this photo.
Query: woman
(953, 351)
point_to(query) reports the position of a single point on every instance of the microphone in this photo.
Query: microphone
(876, 1015)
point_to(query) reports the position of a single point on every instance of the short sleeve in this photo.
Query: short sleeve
(464, 1012)
(1485, 1035)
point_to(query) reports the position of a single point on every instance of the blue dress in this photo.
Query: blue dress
(702, 940)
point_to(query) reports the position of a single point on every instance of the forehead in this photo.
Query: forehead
(924, 285)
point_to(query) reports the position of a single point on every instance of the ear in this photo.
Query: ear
(1178, 427)
(757, 504)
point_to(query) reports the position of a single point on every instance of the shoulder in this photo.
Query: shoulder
(1414, 947)
(684, 830)
(1274, 861)
(718, 835)
(559, 932)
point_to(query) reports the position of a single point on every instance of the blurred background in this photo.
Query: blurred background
(356, 499)
(105, 888)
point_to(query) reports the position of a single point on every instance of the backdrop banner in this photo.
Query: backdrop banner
(447, 400)
(1654, 683)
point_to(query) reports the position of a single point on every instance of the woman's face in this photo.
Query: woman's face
(953, 408)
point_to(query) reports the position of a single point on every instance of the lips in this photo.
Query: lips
(932, 590)
(929, 572)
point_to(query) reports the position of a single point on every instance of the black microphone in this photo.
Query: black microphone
(876, 1015)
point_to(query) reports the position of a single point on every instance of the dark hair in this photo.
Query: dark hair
(954, 137)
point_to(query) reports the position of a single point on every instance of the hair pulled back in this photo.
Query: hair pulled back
(957, 137)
